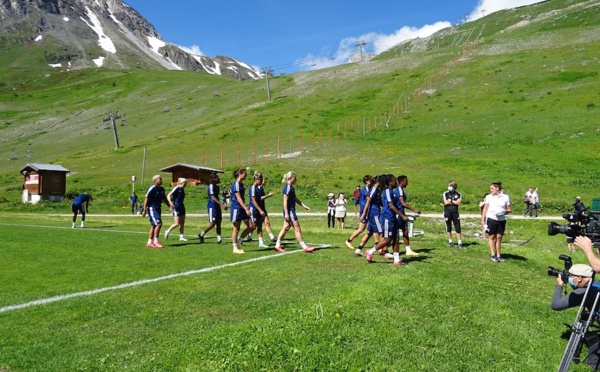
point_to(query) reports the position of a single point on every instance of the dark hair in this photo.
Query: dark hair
(401, 178)
(237, 172)
(498, 185)
(213, 177)
(384, 179)
(367, 178)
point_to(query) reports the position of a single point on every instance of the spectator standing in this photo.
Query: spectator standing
(134, 201)
(340, 210)
(330, 210)
(535, 202)
(528, 203)
(452, 199)
(356, 197)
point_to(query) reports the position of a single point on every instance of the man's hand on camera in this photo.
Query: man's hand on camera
(559, 280)
(583, 242)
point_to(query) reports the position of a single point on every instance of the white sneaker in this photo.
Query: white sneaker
(358, 252)
(181, 239)
(389, 256)
(411, 253)
(167, 235)
(238, 251)
(240, 241)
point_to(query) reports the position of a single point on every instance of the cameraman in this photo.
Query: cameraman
(580, 276)
(585, 244)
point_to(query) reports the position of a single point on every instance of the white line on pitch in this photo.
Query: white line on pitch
(141, 282)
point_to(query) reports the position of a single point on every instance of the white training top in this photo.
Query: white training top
(497, 206)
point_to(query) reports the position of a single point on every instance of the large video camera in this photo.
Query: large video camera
(584, 223)
(564, 274)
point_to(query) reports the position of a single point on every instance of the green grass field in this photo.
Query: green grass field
(448, 310)
(519, 106)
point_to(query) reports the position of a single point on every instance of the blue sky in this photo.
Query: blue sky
(300, 35)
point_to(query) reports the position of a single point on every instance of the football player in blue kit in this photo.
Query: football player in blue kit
(155, 196)
(80, 205)
(213, 208)
(239, 211)
(257, 213)
(363, 218)
(290, 219)
(176, 203)
(373, 209)
(402, 218)
(388, 220)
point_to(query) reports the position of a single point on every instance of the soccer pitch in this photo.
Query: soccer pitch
(98, 299)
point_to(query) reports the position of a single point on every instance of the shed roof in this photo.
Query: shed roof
(173, 167)
(44, 167)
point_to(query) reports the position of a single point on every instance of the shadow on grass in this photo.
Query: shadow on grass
(513, 257)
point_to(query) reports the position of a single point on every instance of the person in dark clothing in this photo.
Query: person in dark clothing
(78, 207)
(580, 277)
(452, 200)
(134, 202)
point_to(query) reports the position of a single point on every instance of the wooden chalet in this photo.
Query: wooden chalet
(44, 182)
(194, 174)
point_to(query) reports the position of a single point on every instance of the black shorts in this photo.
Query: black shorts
(78, 208)
(452, 218)
(496, 227)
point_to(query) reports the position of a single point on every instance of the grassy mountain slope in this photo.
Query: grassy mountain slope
(521, 106)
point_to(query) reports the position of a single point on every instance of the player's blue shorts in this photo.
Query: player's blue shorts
(293, 216)
(389, 226)
(255, 215)
(214, 215)
(179, 211)
(238, 215)
(374, 224)
(154, 216)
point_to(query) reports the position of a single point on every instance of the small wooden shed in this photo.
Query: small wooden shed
(194, 174)
(44, 182)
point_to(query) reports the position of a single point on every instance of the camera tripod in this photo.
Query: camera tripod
(580, 329)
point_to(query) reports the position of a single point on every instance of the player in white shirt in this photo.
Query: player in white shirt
(496, 207)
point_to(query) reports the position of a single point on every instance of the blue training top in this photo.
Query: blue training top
(291, 193)
(213, 190)
(82, 198)
(362, 199)
(156, 195)
(178, 195)
(238, 187)
(389, 196)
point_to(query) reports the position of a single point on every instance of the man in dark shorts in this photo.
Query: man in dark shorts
(452, 200)
(78, 207)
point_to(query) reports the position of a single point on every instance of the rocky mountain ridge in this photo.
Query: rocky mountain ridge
(75, 34)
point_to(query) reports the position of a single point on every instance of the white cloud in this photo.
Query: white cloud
(374, 43)
(377, 43)
(490, 6)
(194, 49)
